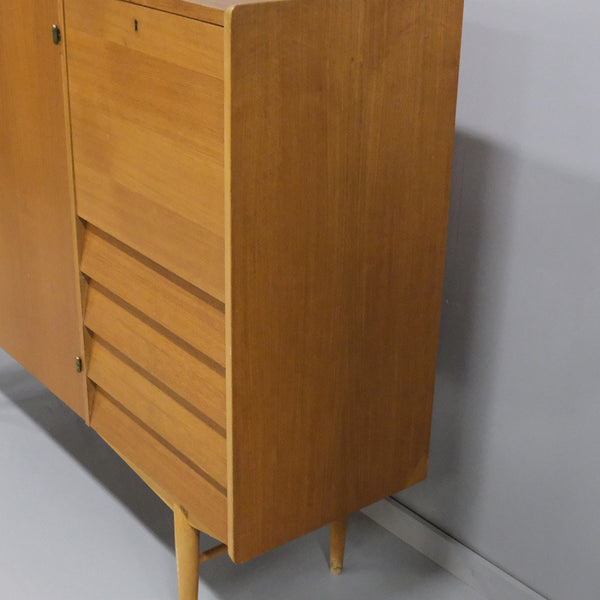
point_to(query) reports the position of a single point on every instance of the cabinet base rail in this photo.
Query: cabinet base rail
(212, 553)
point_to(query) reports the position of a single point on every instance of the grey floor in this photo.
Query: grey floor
(77, 524)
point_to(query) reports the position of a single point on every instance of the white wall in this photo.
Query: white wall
(515, 457)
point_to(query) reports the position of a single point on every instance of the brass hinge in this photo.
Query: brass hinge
(56, 34)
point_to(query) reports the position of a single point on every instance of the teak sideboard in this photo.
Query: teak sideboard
(222, 241)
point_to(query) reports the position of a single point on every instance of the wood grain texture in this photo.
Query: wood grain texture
(166, 299)
(206, 506)
(147, 121)
(40, 310)
(159, 354)
(341, 121)
(165, 496)
(177, 423)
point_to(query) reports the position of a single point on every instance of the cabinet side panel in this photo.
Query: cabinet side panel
(40, 310)
(341, 120)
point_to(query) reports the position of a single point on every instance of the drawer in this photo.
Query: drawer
(164, 359)
(182, 484)
(147, 116)
(173, 422)
(170, 302)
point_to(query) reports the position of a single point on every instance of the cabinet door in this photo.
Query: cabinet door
(40, 305)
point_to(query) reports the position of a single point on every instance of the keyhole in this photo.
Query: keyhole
(135, 23)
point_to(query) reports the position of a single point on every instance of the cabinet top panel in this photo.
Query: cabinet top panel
(212, 11)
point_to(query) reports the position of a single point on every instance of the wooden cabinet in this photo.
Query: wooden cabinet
(261, 200)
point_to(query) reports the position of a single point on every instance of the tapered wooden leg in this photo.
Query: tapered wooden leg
(337, 545)
(187, 549)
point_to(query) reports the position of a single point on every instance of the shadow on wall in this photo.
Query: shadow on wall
(480, 217)
(478, 225)
(516, 383)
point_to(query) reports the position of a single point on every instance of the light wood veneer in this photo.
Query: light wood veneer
(40, 313)
(245, 228)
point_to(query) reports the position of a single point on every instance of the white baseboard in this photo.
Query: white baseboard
(465, 564)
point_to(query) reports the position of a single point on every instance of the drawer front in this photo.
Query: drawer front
(167, 300)
(157, 400)
(162, 357)
(176, 424)
(180, 481)
(147, 115)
